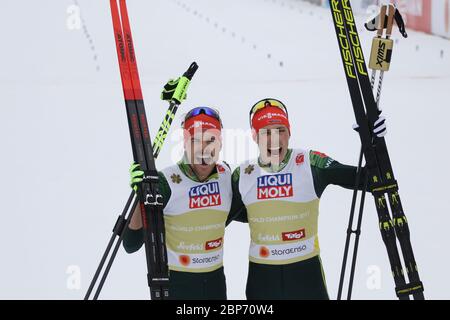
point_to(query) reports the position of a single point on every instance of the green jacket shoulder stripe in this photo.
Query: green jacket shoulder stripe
(320, 160)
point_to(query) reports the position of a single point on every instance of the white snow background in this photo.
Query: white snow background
(65, 147)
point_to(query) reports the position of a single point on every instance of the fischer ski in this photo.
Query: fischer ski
(381, 180)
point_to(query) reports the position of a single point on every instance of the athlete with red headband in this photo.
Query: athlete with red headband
(198, 200)
(281, 192)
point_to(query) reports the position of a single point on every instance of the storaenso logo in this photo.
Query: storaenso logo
(208, 260)
(353, 35)
(205, 195)
(283, 252)
(381, 53)
(343, 41)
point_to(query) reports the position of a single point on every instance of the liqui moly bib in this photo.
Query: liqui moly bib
(205, 195)
(275, 186)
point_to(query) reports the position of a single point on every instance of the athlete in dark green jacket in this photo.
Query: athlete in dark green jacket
(281, 191)
(198, 200)
(304, 279)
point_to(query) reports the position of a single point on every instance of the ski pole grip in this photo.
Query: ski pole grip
(191, 71)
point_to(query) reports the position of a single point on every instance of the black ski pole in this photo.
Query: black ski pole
(350, 230)
(118, 229)
(116, 248)
(357, 233)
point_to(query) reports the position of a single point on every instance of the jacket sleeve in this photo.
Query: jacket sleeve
(238, 212)
(326, 171)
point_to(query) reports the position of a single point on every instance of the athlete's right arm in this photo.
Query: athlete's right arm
(133, 236)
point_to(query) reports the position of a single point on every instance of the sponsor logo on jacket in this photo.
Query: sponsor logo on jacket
(220, 168)
(299, 159)
(189, 247)
(268, 237)
(275, 186)
(213, 244)
(185, 260)
(265, 252)
(205, 195)
(294, 235)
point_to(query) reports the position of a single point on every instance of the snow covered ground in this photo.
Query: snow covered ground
(65, 147)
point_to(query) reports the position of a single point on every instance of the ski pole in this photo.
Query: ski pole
(173, 107)
(118, 229)
(380, 29)
(390, 44)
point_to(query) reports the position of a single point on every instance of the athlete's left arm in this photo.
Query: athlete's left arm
(326, 170)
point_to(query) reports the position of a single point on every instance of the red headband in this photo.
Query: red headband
(269, 116)
(201, 122)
